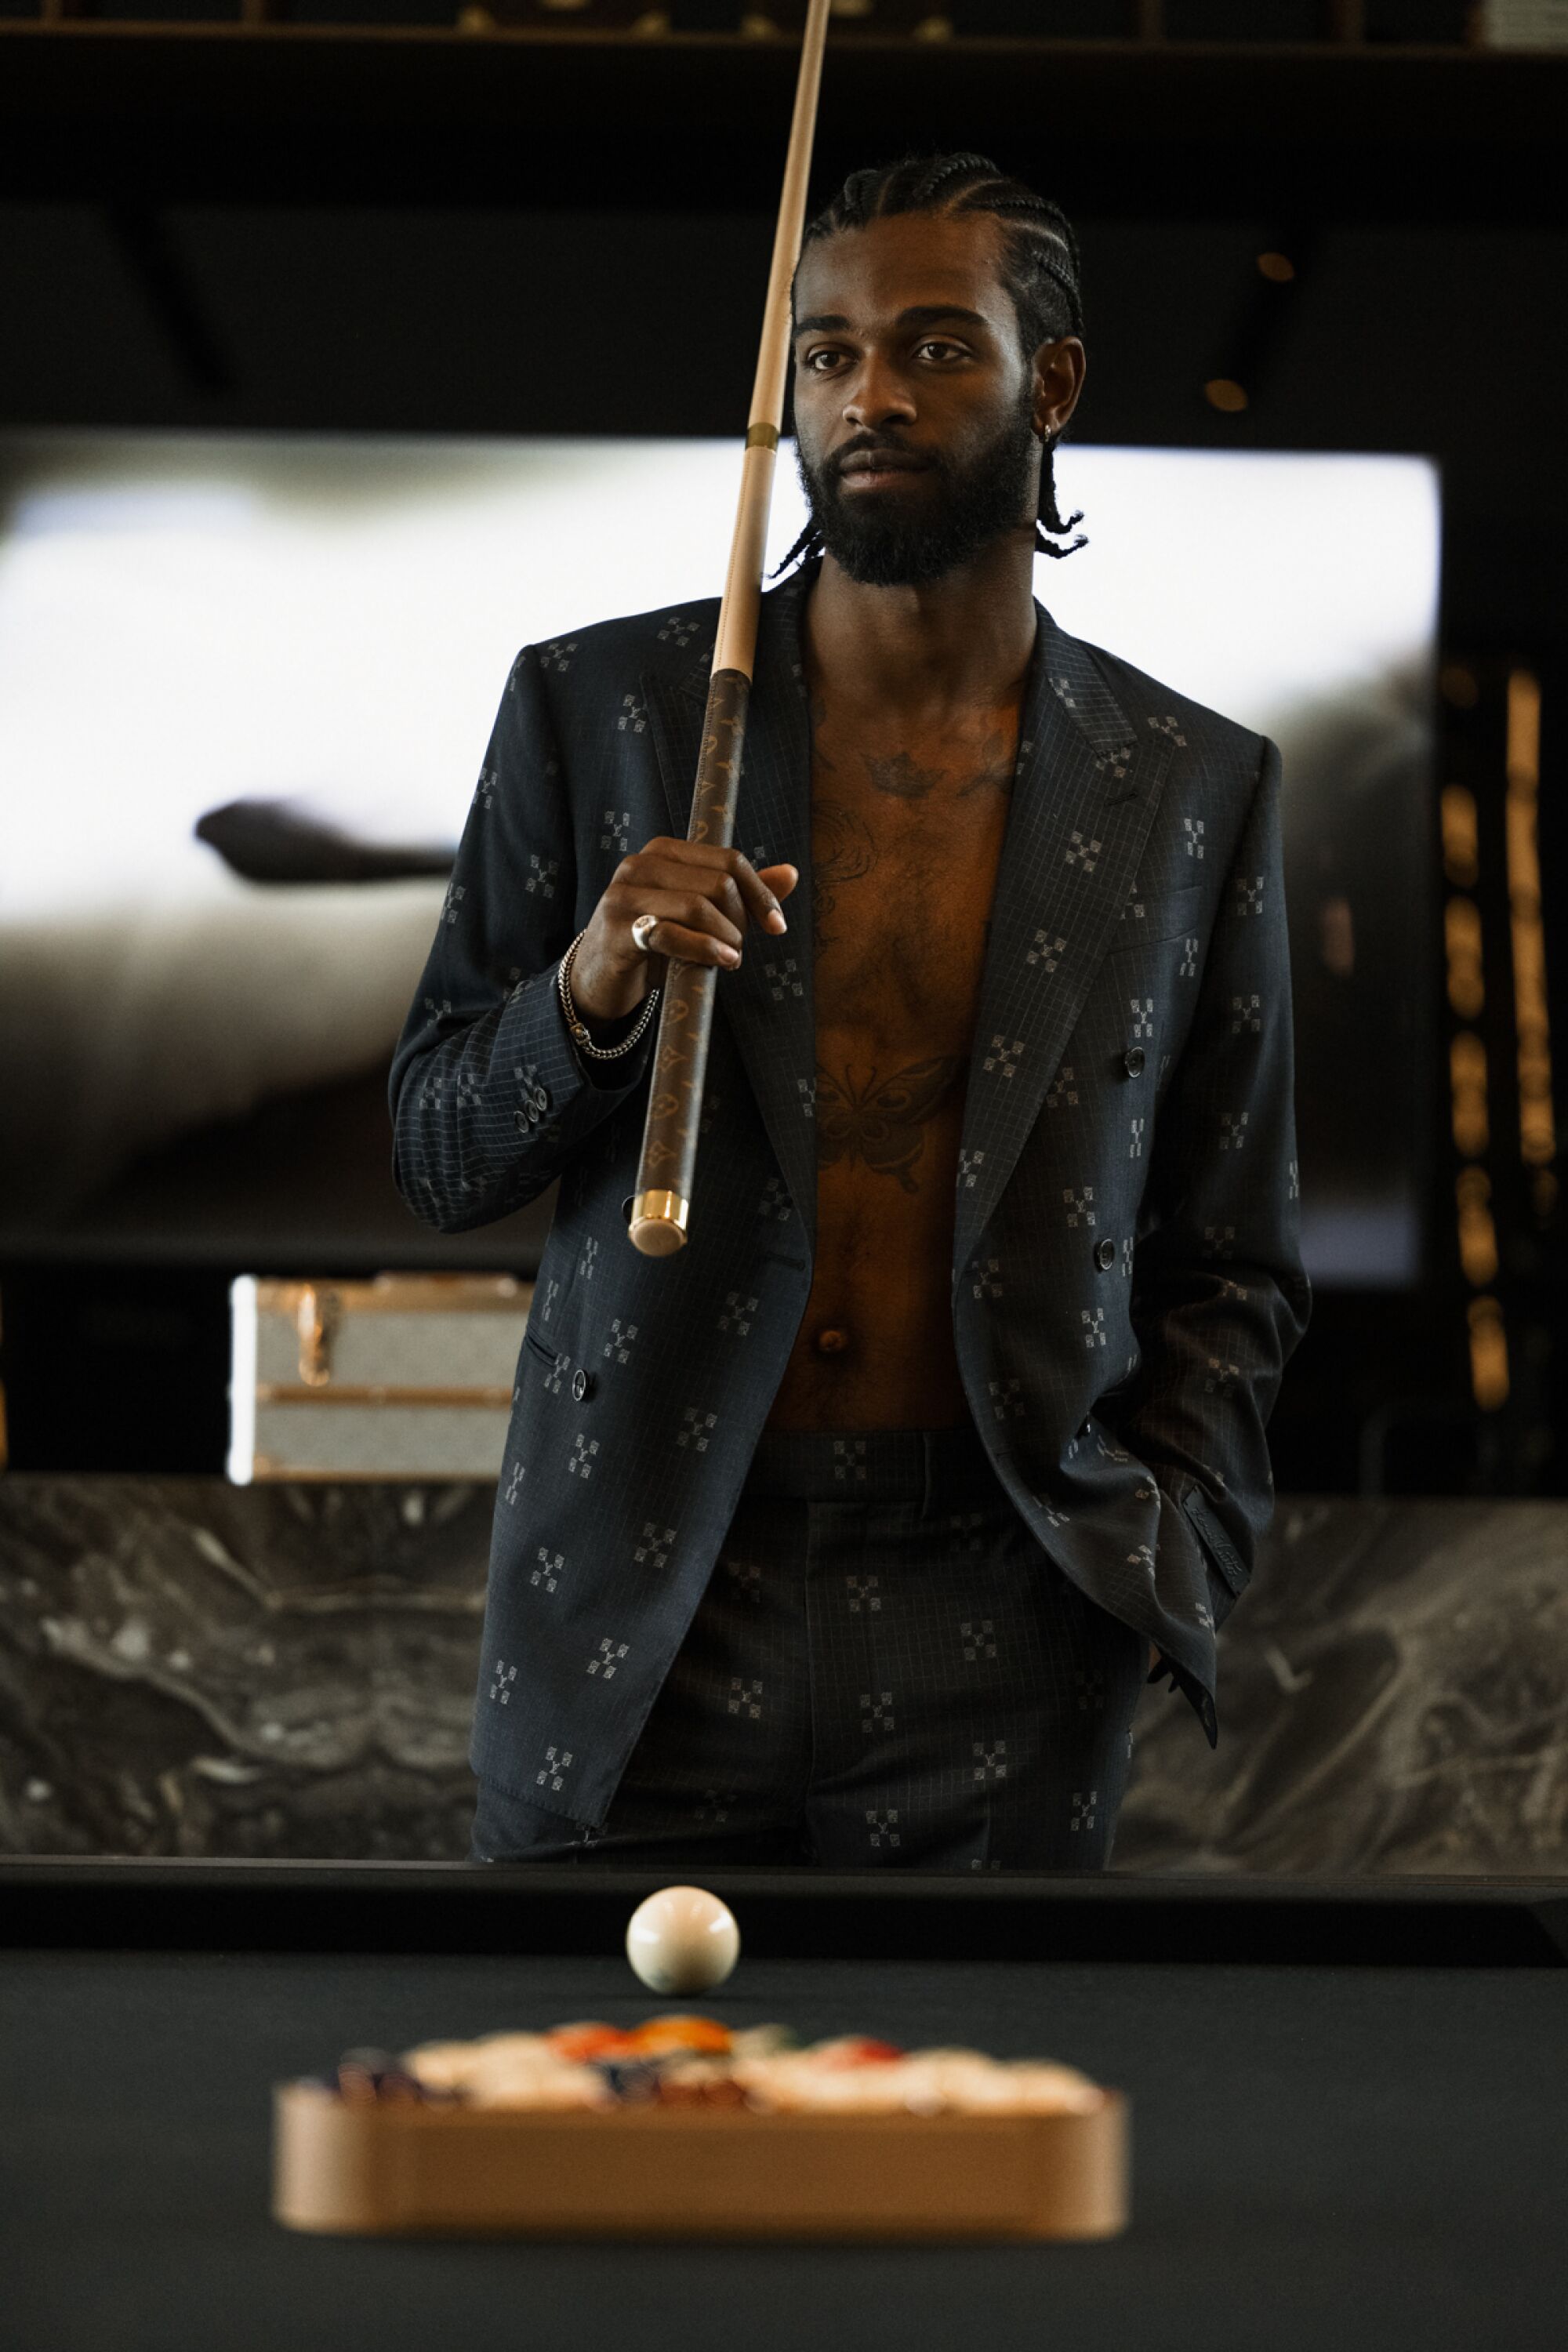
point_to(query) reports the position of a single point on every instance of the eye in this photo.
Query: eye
(811, 363)
(941, 350)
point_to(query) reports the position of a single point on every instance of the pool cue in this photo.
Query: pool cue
(662, 1201)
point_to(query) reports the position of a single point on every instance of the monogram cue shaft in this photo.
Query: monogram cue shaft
(661, 1206)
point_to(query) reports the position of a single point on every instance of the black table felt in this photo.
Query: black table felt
(1321, 2157)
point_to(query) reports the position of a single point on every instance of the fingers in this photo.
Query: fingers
(688, 927)
(761, 901)
(675, 901)
(657, 877)
(727, 877)
(684, 945)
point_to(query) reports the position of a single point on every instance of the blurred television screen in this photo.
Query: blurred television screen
(297, 644)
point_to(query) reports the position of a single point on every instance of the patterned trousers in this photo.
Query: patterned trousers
(886, 1669)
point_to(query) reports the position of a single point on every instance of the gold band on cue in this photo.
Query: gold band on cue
(658, 1223)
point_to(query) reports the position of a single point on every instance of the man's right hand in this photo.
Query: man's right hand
(703, 898)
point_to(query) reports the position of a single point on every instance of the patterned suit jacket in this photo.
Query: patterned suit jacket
(1126, 1278)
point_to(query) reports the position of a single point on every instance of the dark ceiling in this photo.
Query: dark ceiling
(314, 230)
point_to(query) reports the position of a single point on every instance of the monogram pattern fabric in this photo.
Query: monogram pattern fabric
(903, 1683)
(1126, 1283)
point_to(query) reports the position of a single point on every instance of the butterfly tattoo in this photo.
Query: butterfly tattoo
(881, 1122)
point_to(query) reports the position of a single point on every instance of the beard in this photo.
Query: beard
(969, 505)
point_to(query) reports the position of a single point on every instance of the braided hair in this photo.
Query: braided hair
(1039, 269)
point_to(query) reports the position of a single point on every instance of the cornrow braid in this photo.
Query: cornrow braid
(1039, 269)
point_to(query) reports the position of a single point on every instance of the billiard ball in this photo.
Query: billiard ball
(682, 1939)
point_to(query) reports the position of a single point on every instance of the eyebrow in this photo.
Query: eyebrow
(920, 314)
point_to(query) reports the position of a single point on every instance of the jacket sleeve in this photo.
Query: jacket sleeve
(1220, 1298)
(490, 1099)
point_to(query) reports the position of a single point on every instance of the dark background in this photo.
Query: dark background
(365, 220)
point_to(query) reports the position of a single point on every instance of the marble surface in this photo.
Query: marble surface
(1394, 1697)
(192, 1668)
(188, 1668)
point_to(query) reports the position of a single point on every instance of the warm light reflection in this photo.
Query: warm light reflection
(1468, 1084)
(1461, 855)
(1537, 1124)
(1277, 268)
(1337, 936)
(1478, 1233)
(1489, 1354)
(1476, 1230)
(1224, 393)
(1462, 940)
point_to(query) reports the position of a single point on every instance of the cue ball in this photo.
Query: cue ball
(682, 1939)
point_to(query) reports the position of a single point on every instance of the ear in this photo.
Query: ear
(1058, 370)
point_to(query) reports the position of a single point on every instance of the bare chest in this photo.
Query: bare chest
(906, 843)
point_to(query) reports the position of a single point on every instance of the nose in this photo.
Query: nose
(879, 396)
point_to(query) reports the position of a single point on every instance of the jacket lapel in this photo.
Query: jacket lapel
(1085, 792)
(767, 1003)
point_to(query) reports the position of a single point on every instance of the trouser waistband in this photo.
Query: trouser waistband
(933, 1467)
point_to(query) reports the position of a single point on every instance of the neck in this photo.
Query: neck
(952, 643)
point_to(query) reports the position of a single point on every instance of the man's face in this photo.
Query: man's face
(915, 409)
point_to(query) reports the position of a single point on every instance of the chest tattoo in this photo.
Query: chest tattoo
(844, 852)
(902, 777)
(881, 1122)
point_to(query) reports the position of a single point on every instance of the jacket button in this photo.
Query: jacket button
(1133, 1061)
(519, 1119)
(1105, 1254)
(582, 1384)
(541, 1099)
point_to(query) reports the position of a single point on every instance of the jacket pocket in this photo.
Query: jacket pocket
(540, 1349)
(1208, 1527)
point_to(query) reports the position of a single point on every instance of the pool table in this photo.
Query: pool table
(1349, 2100)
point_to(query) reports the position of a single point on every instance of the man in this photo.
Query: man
(850, 1533)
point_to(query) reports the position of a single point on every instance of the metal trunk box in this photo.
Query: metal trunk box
(402, 1376)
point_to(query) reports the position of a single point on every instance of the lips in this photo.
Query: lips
(873, 464)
